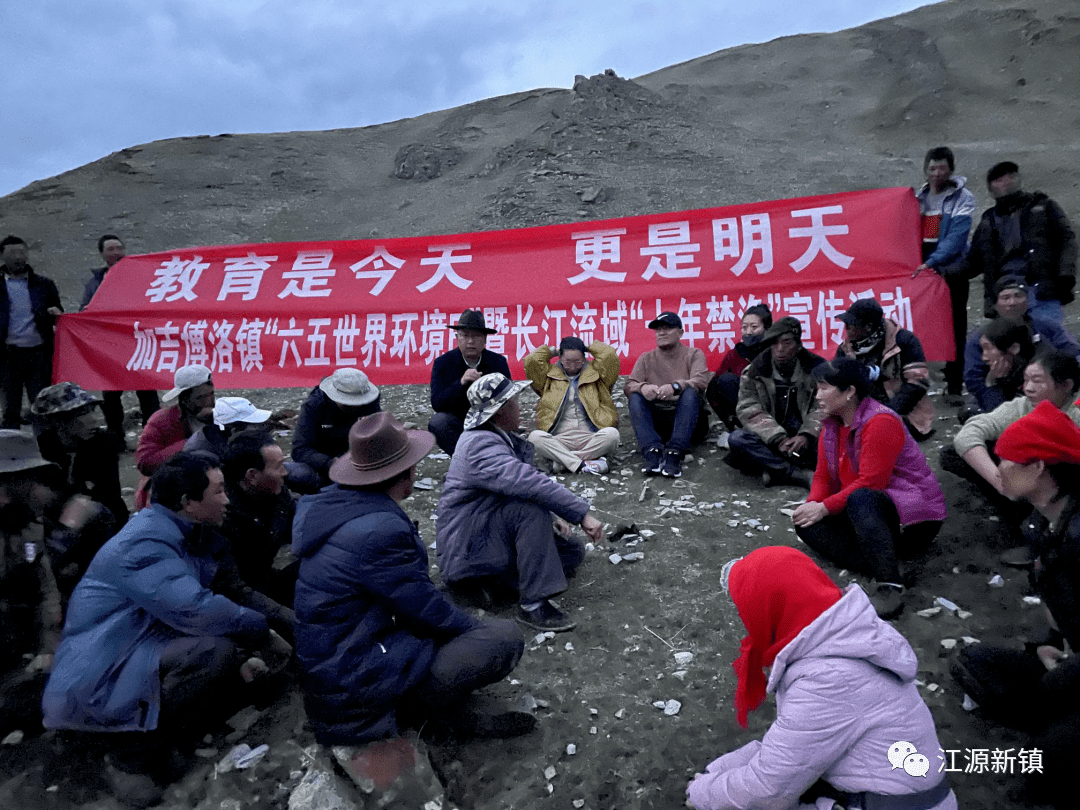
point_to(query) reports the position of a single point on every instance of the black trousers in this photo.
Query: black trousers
(112, 408)
(22, 369)
(867, 537)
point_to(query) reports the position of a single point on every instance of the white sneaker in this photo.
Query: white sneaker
(597, 466)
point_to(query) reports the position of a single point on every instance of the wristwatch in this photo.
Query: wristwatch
(676, 387)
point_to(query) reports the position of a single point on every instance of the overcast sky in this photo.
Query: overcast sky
(81, 79)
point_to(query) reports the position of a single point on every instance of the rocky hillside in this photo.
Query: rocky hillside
(800, 115)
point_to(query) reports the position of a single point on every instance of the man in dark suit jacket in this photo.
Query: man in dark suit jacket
(453, 372)
(29, 306)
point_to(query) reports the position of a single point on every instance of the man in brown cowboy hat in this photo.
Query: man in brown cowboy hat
(495, 527)
(452, 374)
(380, 647)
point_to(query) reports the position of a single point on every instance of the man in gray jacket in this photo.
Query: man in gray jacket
(494, 521)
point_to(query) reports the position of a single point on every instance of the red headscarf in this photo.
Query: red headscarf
(1045, 434)
(778, 591)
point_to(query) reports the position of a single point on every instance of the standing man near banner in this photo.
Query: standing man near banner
(947, 208)
(665, 390)
(29, 306)
(453, 372)
(1028, 235)
(112, 250)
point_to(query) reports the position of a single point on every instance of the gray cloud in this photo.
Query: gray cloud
(81, 80)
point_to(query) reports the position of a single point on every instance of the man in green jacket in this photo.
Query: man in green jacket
(778, 410)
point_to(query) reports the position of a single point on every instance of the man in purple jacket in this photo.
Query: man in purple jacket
(494, 521)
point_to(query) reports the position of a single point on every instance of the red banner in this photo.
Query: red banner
(287, 314)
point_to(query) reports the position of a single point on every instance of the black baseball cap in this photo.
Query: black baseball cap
(864, 312)
(668, 319)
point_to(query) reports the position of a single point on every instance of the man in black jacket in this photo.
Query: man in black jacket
(322, 429)
(112, 251)
(29, 306)
(453, 372)
(1028, 235)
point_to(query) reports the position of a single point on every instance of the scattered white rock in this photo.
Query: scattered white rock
(683, 658)
(672, 707)
(592, 729)
(634, 556)
(969, 705)
(571, 749)
(948, 643)
(933, 687)
(550, 772)
(569, 646)
(593, 711)
(947, 604)
(1032, 600)
(963, 614)
(620, 713)
(14, 738)
(615, 559)
(578, 803)
(647, 533)
(996, 581)
(424, 483)
(970, 640)
(681, 674)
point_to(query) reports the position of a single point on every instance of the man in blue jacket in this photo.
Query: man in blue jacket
(147, 645)
(947, 208)
(381, 649)
(1012, 304)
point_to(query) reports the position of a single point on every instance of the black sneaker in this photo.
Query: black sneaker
(672, 464)
(132, 789)
(653, 460)
(546, 617)
(888, 600)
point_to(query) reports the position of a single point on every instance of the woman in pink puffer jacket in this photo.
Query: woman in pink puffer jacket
(848, 711)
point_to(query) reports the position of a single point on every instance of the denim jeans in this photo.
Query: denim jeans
(657, 424)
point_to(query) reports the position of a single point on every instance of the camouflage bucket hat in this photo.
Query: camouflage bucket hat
(61, 398)
(487, 395)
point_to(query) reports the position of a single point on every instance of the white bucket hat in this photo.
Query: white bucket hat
(349, 386)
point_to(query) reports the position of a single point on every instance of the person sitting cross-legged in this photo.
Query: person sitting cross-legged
(778, 408)
(575, 418)
(495, 527)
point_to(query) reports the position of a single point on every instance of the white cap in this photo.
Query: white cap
(186, 378)
(237, 409)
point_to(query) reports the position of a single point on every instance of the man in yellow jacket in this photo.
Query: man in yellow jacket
(576, 417)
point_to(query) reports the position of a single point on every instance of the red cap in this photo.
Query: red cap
(1045, 434)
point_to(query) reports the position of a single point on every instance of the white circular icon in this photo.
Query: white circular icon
(899, 751)
(916, 765)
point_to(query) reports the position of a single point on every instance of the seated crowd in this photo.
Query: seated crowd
(129, 631)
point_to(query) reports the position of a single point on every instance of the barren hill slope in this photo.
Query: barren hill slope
(800, 115)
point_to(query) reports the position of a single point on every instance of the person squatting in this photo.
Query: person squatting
(131, 631)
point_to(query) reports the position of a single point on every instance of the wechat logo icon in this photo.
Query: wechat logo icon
(904, 755)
